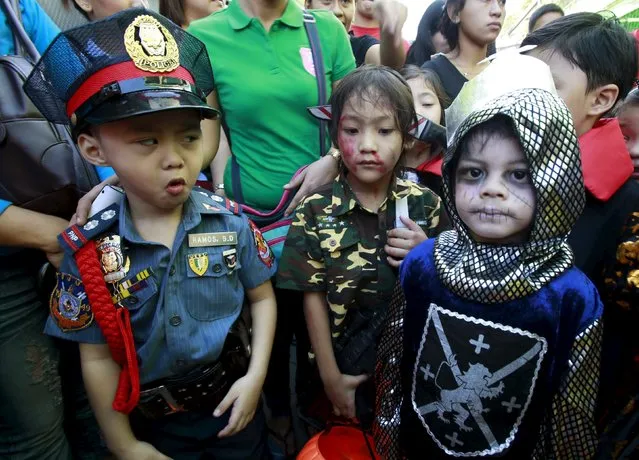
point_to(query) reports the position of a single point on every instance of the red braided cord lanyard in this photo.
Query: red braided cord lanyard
(115, 325)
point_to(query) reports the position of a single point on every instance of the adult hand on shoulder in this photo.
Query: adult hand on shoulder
(141, 451)
(391, 15)
(84, 205)
(402, 240)
(341, 393)
(244, 396)
(50, 244)
(316, 174)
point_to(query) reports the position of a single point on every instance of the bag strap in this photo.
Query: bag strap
(19, 33)
(318, 62)
(310, 26)
(17, 45)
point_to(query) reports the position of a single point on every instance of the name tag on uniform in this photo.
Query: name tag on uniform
(200, 240)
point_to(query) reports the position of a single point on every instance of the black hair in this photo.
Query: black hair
(173, 10)
(431, 78)
(499, 126)
(596, 44)
(450, 30)
(382, 87)
(422, 48)
(447, 27)
(632, 99)
(542, 10)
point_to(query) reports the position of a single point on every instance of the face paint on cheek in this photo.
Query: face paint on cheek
(346, 147)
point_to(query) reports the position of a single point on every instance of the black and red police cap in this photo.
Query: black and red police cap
(132, 63)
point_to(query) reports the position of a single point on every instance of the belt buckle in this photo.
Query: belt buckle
(164, 392)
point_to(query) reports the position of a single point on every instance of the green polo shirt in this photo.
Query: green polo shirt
(264, 82)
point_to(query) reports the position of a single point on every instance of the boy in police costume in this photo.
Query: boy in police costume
(152, 288)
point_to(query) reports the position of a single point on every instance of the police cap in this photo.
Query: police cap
(132, 63)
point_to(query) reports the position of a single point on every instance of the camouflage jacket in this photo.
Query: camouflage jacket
(335, 245)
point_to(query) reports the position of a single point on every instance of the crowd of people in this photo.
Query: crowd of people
(456, 253)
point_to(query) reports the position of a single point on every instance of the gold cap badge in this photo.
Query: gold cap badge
(151, 46)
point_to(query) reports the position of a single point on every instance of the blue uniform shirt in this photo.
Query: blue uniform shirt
(181, 313)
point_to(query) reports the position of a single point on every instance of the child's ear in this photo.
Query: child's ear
(453, 13)
(89, 147)
(85, 5)
(603, 99)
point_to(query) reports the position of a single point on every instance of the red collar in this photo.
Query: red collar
(434, 165)
(605, 160)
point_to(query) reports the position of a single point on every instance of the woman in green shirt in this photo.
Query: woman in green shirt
(265, 80)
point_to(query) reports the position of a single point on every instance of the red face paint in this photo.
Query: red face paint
(346, 146)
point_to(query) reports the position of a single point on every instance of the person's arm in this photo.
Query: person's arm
(101, 376)
(211, 133)
(340, 388)
(219, 163)
(28, 229)
(244, 395)
(391, 51)
(572, 414)
(39, 26)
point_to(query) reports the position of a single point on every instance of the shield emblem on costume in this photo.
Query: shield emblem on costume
(198, 263)
(473, 381)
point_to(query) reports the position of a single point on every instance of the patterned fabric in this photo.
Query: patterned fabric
(533, 362)
(182, 302)
(620, 421)
(492, 274)
(388, 379)
(335, 245)
(568, 430)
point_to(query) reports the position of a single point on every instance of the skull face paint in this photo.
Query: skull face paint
(494, 195)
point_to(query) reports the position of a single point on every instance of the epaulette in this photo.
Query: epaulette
(74, 237)
(211, 203)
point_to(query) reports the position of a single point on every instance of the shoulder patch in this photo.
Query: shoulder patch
(68, 304)
(76, 236)
(263, 249)
(233, 207)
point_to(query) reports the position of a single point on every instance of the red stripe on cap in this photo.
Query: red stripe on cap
(117, 72)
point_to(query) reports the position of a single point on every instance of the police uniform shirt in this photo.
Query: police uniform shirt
(335, 245)
(182, 302)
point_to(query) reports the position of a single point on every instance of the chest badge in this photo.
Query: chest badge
(473, 381)
(114, 265)
(151, 46)
(199, 263)
(230, 259)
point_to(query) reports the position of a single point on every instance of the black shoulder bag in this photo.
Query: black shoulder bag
(40, 167)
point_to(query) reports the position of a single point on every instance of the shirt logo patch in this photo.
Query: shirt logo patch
(307, 60)
(199, 263)
(263, 249)
(473, 381)
(68, 304)
(230, 259)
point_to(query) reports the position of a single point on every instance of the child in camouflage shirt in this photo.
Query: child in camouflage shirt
(348, 237)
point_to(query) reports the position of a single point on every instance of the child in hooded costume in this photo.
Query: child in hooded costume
(493, 340)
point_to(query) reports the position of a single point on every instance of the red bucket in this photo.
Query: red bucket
(339, 443)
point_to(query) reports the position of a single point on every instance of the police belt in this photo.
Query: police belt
(200, 390)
